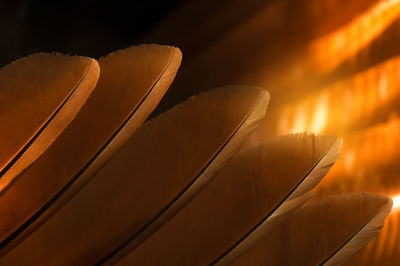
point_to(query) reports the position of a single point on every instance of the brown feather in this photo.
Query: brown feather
(241, 203)
(131, 84)
(384, 249)
(327, 232)
(168, 159)
(40, 95)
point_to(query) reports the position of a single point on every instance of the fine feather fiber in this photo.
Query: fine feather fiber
(241, 203)
(145, 179)
(327, 232)
(131, 84)
(39, 96)
(252, 118)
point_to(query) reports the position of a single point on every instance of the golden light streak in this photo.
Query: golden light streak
(300, 120)
(365, 155)
(349, 158)
(320, 114)
(364, 109)
(283, 123)
(383, 87)
(376, 145)
(393, 222)
(345, 103)
(334, 48)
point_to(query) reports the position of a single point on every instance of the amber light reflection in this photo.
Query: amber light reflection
(343, 43)
(346, 105)
(364, 109)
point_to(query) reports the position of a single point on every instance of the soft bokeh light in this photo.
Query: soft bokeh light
(320, 114)
(396, 203)
(343, 43)
(347, 104)
(364, 109)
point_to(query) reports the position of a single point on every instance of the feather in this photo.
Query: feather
(384, 249)
(334, 229)
(40, 95)
(131, 84)
(151, 176)
(242, 202)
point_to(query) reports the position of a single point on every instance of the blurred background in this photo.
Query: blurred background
(89, 27)
(331, 66)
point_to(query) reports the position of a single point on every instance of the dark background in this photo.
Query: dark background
(91, 28)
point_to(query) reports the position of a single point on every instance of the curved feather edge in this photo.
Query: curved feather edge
(137, 117)
(52, 128)
(252, 120)
(360, 238)
(296, 198)
(327, 227)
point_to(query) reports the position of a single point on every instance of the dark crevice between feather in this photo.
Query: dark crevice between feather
(173, 201)
(268, 214)
(35, 216)
(40, 131)
(352, 236)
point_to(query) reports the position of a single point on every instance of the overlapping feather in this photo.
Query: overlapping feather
(242, 203)
(131, 84)
(147, 181)
(327, 232)
(39, 96)
(160, 197)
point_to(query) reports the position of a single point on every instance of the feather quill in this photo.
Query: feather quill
(149, 178)
(131, 84)
(384, 249)
(334, 229)
(241, 204)
(39, 96)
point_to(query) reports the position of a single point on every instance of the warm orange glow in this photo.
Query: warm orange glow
(396, 203)
(344, 104)
(363, 109)
(343, 43)
(365, 155)
(320, 114)
(376, 145)
(300, 123)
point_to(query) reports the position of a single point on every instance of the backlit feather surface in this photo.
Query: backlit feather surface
(145, 179)
(327, 232)
(243, 201)
(88, 186)
(39, 96)
(131, 83)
